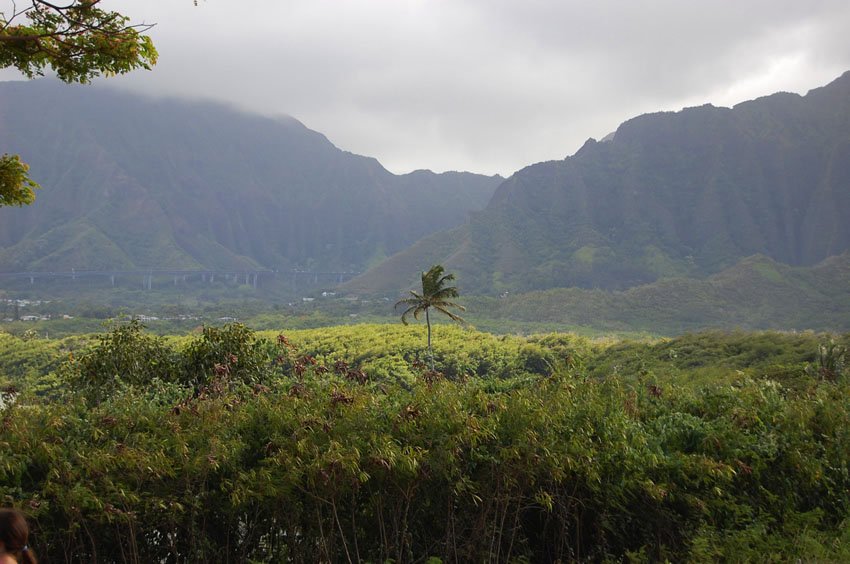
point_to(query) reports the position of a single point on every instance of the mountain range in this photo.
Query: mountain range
(679, 194)
(676, 220)
(136, 183)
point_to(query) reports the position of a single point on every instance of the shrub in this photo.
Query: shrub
(126, 355)
(830, 362)
(233, 351)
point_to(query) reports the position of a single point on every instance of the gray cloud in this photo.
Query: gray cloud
(485, 85)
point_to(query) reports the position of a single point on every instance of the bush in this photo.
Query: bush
(830, 362)
(233, 351)
(321, 467)
(124, 356)
(127, 356)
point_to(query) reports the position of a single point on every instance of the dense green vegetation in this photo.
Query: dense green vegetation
(757, 293)
(340, 444)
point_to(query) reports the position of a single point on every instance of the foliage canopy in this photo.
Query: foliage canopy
(78, 40)
(16, 188)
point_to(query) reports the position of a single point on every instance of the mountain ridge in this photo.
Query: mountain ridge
(136, 182)
(684, 193)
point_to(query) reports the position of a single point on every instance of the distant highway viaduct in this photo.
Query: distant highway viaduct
(176, 277)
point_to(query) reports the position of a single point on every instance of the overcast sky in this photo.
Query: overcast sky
(488, 86)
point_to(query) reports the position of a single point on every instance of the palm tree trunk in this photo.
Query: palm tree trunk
(430, 354)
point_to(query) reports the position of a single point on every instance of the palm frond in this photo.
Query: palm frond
(431, 279)
(450, 292)
(408, 311)
(445, 304)
(406, 301)
(452, 316)
(444, 279)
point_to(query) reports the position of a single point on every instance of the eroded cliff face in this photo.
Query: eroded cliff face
(671, 194)
(129, 182)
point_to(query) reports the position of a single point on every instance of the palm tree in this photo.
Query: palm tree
(435, 294)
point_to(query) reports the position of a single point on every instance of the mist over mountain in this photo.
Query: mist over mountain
(684, 194)
(131, 182)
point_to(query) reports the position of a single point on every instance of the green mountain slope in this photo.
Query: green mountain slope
(670, 194)
(130, 182)
(756, 293)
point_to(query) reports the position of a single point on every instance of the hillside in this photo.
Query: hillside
(684, 194)
(130, 183)
(756, 293)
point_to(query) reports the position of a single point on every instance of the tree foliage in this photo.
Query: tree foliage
(128, 356)
(124, 356)
(16, 187)
(78, 40)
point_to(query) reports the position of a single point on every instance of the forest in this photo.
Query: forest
(342, 444)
